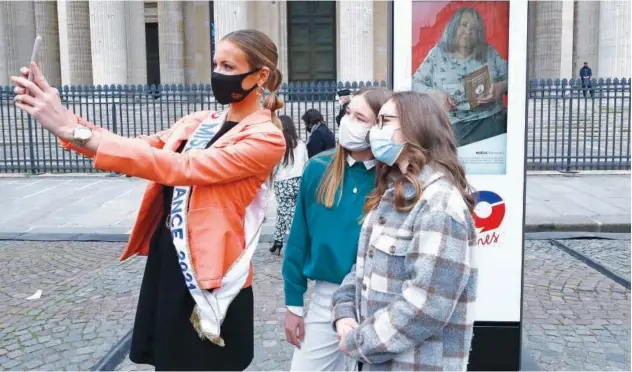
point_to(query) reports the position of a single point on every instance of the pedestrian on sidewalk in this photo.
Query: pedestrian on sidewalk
(321, 138)
(191, 314)
(324, 235)
(287, 179)
(585, 74)
(407, 303)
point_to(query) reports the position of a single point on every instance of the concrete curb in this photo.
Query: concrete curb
(539, 232)
(583, 224)
(64, 237)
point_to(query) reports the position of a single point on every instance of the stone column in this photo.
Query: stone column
(566, 40)
(229, 16)
(355, 41)
(548, 32)
(136, 43)
(586, 39)
(19, 35)
(380, 40)
(108, 40)
(171, 42)
(614, 39)
(4, 69)
(47, 27)
(197, 46)
(75, 51)
(270, 17)
(531, 24)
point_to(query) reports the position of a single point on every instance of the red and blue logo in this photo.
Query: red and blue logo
(493, 219)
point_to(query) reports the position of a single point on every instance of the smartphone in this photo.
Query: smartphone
(35, 56)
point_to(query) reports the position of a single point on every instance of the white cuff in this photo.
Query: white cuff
(296, 310)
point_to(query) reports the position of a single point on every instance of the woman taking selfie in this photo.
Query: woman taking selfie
(202, 210)
(407, 304)
(324, 235)
(287, 179)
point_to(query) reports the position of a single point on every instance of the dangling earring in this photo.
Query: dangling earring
(260, 91)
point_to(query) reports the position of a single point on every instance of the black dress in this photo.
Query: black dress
(163, 335)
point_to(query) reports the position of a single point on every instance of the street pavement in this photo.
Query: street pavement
(81, 206)
(575, 318)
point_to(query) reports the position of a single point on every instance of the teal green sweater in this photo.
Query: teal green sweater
(323, 242)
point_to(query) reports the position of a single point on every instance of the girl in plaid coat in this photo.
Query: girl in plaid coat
(407, 303)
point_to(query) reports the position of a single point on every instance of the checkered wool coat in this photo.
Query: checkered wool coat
(413, 287)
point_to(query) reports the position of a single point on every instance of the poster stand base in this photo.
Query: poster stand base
(495, 347)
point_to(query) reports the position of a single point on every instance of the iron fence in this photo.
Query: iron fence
(575, 126)
(565, 129)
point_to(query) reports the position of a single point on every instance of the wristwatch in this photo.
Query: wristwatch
(81, 135)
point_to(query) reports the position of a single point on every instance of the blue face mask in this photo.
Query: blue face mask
(382, 145)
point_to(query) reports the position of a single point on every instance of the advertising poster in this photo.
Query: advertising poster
(460, 57)
(460, 53)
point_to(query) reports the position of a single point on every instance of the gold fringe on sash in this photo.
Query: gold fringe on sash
(195, 320)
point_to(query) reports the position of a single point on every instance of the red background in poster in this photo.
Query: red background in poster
(431, 17)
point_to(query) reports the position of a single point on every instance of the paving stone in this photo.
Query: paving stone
(559, 285)
(67, 274)
(614, 255)
(91, 299)
(11, 364)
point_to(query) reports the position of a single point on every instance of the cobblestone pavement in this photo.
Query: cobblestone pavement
(575, 318)
(614, 255)
(87, 304)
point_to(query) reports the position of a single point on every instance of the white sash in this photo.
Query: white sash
(210, 309)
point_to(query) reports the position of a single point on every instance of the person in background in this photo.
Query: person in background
(287, 179)
(324, 235)
(321, 138)
(201, 210)
(344, 96)
(585, 74)
(407, 305)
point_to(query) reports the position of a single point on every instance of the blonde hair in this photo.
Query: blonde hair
(261, 52)
(333, 179)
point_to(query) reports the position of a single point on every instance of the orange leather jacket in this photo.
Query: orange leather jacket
(225, 179)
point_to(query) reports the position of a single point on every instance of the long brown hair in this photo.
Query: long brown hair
(261, 52)
(291, 139)
(430, 141)
(333, 178)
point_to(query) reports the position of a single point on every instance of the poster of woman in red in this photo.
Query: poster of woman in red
(459, 56)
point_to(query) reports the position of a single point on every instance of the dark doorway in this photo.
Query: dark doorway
(153, 54)
(311, 40)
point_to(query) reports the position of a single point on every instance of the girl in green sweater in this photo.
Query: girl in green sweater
(323, 240)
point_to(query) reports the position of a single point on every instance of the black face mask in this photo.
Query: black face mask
(227, 88)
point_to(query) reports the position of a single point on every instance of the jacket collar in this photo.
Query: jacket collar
(427, 177)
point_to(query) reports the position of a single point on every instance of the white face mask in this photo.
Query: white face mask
(352, 134)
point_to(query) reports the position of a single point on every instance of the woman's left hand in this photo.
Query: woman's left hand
(42, 101)
(348, 332)
(495, 94)
(341, 346)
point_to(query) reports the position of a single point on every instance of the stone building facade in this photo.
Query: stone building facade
(565, 34)
(139, 42)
